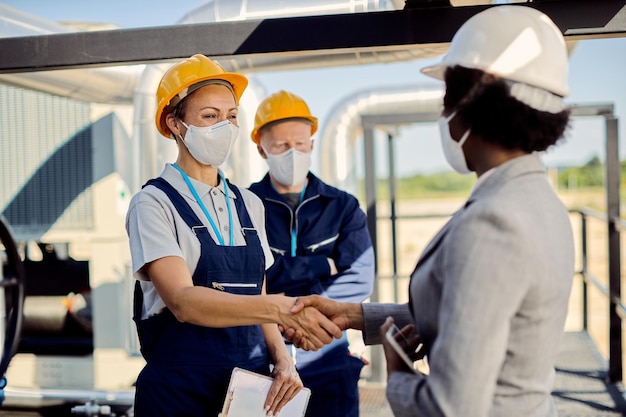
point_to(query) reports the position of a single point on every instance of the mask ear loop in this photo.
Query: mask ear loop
(180, 120)
(465, 135)
(451, 116)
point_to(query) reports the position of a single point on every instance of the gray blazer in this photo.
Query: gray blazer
(489, 296)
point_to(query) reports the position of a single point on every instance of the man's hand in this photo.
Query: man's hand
(333, 267)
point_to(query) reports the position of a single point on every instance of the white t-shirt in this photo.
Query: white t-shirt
(156, 230)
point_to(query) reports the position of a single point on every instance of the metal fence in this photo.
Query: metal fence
(617, 310)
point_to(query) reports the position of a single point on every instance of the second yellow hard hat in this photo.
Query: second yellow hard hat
(279, 106)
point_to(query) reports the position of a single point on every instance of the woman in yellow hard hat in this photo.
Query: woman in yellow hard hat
(199, 253)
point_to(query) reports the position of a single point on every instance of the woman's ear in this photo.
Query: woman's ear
(173, 125)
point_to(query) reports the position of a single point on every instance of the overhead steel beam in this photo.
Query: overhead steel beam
(301, 36)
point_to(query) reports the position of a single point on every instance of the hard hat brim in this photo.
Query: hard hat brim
(435, 71)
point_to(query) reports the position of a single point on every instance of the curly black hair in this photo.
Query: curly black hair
(484, 104)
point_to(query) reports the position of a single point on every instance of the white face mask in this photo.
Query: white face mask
(211, 145)
(290, 167)
(452, 149)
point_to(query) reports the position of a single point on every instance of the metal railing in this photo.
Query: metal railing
(612, 185)
(617, 310)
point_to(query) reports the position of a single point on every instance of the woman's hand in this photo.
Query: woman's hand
(286, 385)
(408, 340)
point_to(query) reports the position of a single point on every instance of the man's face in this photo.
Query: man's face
(287, 135)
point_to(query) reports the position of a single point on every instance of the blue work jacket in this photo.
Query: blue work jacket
(329, 223)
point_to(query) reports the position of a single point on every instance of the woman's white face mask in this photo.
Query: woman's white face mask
(211, 145)
(289, 168)
(453, 150)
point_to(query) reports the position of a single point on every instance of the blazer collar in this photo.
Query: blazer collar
(523, 165)
(516, 167)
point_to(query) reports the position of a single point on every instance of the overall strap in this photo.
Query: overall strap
(242, 212)
(187, 214)
(183, 208)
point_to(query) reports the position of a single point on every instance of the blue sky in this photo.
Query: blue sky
(596, 76)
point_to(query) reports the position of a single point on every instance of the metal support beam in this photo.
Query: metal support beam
(391, 183)
(311, 36)
(613, 214)
(370, 196)
(370, 122)
(377, 356)
(584, 262)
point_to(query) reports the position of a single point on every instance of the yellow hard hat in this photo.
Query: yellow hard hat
(279, 106)
(176, 82)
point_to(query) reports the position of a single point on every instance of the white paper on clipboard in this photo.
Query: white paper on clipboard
(247, 392)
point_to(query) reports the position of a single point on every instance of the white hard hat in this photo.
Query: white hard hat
(516, 43)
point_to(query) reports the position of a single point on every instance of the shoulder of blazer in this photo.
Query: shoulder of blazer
(517, 167)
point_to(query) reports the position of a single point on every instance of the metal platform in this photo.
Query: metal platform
(580, 388)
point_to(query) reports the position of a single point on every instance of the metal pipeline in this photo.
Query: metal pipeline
(340, 133)
(36, 398)
(113, 85)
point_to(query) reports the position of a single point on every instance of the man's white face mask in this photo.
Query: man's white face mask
(211, 145)
(289, 168)
(453, 150)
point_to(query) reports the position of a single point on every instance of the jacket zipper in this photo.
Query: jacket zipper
(281, 252)
(294, 223)
(315, 246)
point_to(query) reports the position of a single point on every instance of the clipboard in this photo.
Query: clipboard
(247, 392)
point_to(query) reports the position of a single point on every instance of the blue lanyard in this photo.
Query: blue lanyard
(205, 211)
(294, 237)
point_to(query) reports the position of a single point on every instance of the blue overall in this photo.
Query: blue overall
(188, 366)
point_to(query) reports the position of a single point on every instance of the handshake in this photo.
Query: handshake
(314, 321)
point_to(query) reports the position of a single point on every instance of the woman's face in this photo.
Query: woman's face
(210, 104)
